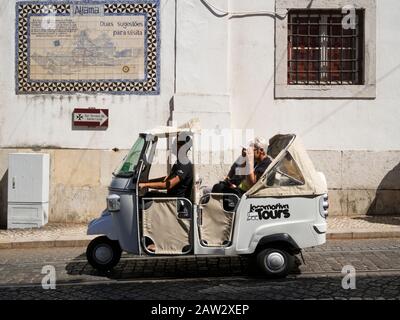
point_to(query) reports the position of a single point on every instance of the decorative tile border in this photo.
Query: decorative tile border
(149, 85)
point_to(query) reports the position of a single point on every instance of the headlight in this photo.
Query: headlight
(323, 206)
(113, 203)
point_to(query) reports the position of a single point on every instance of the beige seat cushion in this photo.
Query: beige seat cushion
(161, 224)
(216, 227)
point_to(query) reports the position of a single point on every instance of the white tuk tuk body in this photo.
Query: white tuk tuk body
(286, 208)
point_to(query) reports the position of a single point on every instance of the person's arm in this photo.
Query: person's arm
(231, 172)
(251, 177)
(257, 173)
(158, 179)
(161, 185)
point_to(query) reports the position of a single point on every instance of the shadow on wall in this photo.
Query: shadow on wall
(3, 200)
(387, 197)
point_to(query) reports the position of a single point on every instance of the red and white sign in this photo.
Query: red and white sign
(90, 117)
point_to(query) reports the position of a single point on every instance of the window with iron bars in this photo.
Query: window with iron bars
(321, 51)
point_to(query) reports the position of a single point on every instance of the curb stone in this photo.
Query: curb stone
(341, 235)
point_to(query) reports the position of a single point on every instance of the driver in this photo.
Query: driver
(179, 182)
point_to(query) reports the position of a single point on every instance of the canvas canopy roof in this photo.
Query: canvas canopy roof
(290, 173)
(191, 126)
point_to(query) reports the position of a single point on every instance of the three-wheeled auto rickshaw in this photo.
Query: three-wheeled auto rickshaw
(284, 212)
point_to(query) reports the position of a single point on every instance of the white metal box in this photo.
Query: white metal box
(28, 190)
(28, 177)
(27, 215)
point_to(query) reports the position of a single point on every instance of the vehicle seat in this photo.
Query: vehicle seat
(163, 225)
(216, 222)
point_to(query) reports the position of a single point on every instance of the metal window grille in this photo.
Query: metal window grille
(321, 51)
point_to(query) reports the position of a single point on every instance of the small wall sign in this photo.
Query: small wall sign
(90, 117)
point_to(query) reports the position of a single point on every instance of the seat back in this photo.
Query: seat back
(216, 221)
(165, 227)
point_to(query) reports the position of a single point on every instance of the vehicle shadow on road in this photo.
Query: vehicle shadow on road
(131, 267)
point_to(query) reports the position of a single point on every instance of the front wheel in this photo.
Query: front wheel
(103, 254)
(275, 263)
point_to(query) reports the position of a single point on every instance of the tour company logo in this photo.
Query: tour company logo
(265, 212)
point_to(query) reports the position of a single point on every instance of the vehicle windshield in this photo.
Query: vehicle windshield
(128, 165)
(278, 143)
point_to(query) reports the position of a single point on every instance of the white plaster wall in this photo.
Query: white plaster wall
(215, 56)
(323, 124)
(45, 120)
(202, 66)
(202, 42)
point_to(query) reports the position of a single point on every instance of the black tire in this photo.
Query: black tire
(274, 262)
(107, 258)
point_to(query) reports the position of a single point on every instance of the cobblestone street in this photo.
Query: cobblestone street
(377, 264)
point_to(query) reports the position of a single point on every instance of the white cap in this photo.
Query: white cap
(260, 143)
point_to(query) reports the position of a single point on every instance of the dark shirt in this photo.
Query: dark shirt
(261, 166)
(259, 169)
(185, 173)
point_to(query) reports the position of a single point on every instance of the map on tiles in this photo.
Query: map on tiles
(89, 47)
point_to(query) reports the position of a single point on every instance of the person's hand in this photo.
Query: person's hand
(141, 185)
(229, 183)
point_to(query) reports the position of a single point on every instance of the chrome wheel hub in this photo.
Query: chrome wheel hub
(275, 262)
(103, 254)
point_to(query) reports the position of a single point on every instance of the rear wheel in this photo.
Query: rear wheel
(274, 262)
(103, 254)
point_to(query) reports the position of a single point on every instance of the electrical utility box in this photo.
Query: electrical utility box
(28, 190)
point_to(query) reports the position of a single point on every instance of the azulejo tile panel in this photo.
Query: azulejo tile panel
(65, 47)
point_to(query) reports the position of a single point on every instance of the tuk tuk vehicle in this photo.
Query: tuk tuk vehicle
(284, 212)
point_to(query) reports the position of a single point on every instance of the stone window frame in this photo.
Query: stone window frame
(285, 91)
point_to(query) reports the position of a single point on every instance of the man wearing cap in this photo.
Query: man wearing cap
(248, 169)
(258, 162)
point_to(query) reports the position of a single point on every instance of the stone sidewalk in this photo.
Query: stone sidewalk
(363, 227)
(51, 235)
(74, 235)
